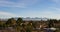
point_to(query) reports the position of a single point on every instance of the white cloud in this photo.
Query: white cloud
(6, 14)
(53, 12)
(19, 3)
(57, 10)
(11, 4)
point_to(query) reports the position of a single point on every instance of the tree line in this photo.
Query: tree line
(20, 26)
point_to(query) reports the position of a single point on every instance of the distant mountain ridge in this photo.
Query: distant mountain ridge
(28, 19)
(34, 19)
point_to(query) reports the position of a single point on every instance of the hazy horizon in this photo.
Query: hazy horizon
(30, 8)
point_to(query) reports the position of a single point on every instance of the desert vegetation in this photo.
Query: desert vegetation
(13, 25)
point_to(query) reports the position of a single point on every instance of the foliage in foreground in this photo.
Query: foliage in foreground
(28, 26)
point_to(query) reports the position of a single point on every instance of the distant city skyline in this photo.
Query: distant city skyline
(30, 8)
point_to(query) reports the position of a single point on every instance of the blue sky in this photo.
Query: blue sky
(30, 8)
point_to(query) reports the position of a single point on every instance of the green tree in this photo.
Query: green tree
(19, 24)
(11, 22)
(19, 21)
(29, 27)
(51, 22)
(34, 24)
(2, 26)
(28, 30)
(1, 23)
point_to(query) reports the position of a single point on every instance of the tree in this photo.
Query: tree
(29, 27)
(28, 30)
(19, 21)
(1, 24)
(19, 24)
(11, 22)
(51, 22)
(34, 24)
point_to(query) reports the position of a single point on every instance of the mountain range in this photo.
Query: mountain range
(26, 19)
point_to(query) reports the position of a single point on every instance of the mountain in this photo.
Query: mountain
(33, 19)
(28, 19)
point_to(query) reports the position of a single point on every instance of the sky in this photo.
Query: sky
(30, 8)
